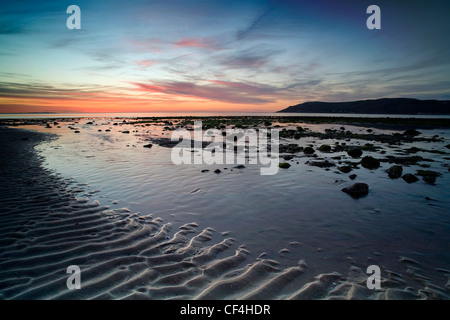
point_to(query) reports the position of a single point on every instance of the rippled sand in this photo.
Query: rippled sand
(44, 228)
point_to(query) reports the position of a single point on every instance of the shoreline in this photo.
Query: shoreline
(124, 255)
(392, 123)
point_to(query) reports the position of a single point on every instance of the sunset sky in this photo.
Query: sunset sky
(233, 55)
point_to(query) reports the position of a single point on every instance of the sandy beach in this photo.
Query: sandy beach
(45, 226)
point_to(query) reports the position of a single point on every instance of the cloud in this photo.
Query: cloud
(224, 91)
(154, 45)
(145, 63)
(201, 43)
(11, 28)
(37, 90)
(253, 25)
(253, 58)
(395, 70)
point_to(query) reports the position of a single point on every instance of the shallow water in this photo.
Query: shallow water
(302, 208)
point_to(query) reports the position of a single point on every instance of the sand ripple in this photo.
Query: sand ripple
(44, 228)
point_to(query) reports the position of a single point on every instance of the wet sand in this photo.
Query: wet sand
(44, 228)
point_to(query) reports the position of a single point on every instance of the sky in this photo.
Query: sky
(218, 56)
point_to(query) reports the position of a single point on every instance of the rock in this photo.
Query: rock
(352, 176)
(325, 148)
(126, 131)
(308, 150)
(369, 162)
(322, 164)
(205, 170)
(410, 178)
(357, 190)
(76, 131)
(107, 130)
(428, 176)
(291, 148)
(448, 146)
(284, 165)
(148, 145)
(411, 133)
(410, 160)
(217, 171)
(288, 158)
(241, 166)
(89, 122)
(429, 179)
(428, 173)
(413, 150)
(355, 152)
(99, 130)
(48, 126)
(345, 169)
(395, 172)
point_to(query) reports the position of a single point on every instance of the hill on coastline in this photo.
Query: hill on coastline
(378, 106)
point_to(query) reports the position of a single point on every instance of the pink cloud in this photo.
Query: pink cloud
(151, 44)
(232, 92)
(145, 63)
(196, 43)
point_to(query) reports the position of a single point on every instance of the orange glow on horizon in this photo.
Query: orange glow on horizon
(131, 105)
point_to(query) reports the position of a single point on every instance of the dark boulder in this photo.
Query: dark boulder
(428, 176)
(411, 133)
(357, 190)
(429, 179)
(345, 169)
(395, 172)
(410, 178)
(369, 162)
(322, 164)
(325, 148)
(284, 165)
(355, 152)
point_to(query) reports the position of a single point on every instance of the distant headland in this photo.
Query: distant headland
(378, 106)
